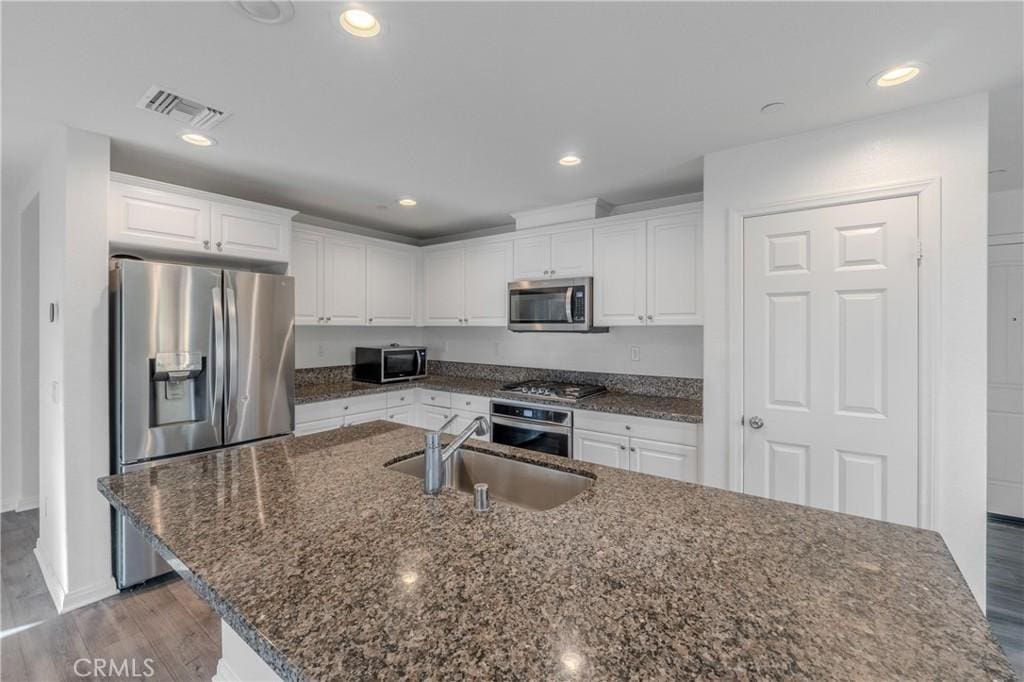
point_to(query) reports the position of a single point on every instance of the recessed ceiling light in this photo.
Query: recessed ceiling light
(198, 139)
(773, 107)
(266, 11)
(407, 201)
(360, 23)
(897, 75)
(570, 160)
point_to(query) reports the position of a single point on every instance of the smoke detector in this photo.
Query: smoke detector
(193, 114)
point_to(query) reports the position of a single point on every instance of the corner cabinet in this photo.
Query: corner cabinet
(467, 286)
(157, 218)
(649, 272)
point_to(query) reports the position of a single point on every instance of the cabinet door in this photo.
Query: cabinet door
(572, 254)
(619, 277)
(250, 233)
(316, 426)
(674, 270)
(307, 268)
(362, 418)
(433, 417)
(600, 448)
(159, 220)
(344, 282)
(463, 419)
(488, 270)
(533, 257)
(444, 295)
(403, 415)
(668, 460)
(390, 286)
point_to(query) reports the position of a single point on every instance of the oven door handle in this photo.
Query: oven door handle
(535, 425)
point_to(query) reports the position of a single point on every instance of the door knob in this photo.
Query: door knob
(756, 422)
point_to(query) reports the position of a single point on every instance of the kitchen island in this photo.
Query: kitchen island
(330, 566)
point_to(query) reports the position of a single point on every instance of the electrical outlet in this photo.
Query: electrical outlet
(634, 353)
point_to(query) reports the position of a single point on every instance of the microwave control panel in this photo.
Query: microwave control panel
(579, 304)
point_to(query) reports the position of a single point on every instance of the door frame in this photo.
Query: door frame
(928, 193)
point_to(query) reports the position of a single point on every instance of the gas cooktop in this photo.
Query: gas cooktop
(552, 390)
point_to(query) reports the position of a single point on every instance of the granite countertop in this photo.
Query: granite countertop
(616, 402)
(333, 567)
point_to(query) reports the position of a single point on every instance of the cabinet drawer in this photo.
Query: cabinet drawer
(363, 417)
(472, 403)
(366, 403)
(318, 425)
(309, 412)
(401, 398)
(663, 430)
(435, 398)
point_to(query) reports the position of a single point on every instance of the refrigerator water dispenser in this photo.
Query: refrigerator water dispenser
(176, 392)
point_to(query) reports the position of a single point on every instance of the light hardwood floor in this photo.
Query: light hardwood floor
(166, 622)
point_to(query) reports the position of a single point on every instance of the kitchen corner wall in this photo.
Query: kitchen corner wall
(663, 351)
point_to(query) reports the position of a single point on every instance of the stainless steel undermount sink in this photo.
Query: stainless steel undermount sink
(531, 486)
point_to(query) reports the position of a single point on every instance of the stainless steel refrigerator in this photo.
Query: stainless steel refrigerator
(202, 358)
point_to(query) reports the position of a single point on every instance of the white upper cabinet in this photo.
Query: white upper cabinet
(620, 275)
(145, 217)
(674, 270)
(249, 233)
(344, 292)
(443, 289)
(488, 269)
(307, 258)
(390, 286)
(572, 254)
(562, 254)
(467, 286)
(157, 217)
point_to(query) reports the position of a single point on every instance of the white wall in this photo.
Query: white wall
(74, 527)
(1006, 212)
(948, 141)
(10, 392)
(328, 346)
(664, 351)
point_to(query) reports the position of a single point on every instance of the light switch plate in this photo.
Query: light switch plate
(634, 353)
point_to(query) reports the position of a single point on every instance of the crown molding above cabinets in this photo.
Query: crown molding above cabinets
(586, 209)
(152, 218)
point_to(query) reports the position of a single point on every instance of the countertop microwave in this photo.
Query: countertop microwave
(552, 305)
(384, 364)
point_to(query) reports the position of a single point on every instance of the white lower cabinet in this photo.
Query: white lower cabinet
(463, 419)
(433, 417)
(600, 448)
(317, 425)
(363, 417)
(330, 414)
(650, 446)
(403, 415)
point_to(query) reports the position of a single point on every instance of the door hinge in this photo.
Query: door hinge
(920, 251)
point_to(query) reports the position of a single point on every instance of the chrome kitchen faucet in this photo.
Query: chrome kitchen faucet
(434, 458)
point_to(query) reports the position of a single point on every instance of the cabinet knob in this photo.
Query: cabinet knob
(402, 399)
(391, 416)
(371, 319)
(206, 244)
(640, 317)
(628, 427)
(219, 246)
(468, 403)
(545, 272)
(552, 272)
(650, 317)
(328, 319)
(433, 398)
(632, 449)
(622, 447)
(346, 407)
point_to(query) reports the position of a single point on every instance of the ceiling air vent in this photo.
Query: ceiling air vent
(193, 114)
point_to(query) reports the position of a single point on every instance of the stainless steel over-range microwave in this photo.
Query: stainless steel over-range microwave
(552, 305)
(384, 364)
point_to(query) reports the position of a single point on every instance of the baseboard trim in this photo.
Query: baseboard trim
(63, 600)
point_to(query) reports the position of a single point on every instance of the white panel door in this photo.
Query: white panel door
(830, 358)
(488, 269)
(674, 270)
(306, 267)
(572, 254)
(1006, 380)
(668, 460)
(390, 286)
(344, 282)
(250, 233)
(619, 276)
(601, 448)
(533, 257)
(443, 288)
(155, 219)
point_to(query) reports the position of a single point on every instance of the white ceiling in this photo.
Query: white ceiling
(467, 106)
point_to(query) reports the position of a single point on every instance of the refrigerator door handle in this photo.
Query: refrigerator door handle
(217, 399)
(231, 395)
